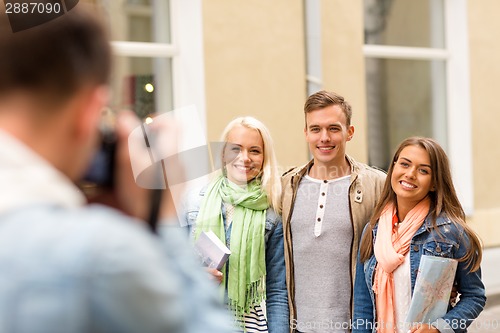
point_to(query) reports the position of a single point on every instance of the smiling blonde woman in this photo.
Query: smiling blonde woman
(241, 206)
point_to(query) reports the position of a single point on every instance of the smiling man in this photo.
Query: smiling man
(326, 203)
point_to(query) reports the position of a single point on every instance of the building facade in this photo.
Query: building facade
(407, 67)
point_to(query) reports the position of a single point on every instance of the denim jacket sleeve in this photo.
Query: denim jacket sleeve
(201, 295)
(145, 284)
(363, 320)
(276, 292)
(472, 295)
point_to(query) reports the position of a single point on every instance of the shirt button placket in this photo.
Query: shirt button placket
(320, 211)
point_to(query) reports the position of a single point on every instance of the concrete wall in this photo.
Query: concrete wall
(255, 65)
(344, 64)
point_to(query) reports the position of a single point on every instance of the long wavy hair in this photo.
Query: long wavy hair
(269, 176)
(444, 200)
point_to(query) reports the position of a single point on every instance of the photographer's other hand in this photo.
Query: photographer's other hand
(134, 198)
(131, 198)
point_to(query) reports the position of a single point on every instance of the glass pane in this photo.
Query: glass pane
(138, 20)
(404, 23)
(405, 98)
(137, 82)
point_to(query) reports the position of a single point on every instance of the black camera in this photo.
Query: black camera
(100, 172)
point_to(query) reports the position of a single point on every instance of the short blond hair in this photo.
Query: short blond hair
(323, 99)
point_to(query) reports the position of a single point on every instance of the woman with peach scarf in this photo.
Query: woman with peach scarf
(418, 214)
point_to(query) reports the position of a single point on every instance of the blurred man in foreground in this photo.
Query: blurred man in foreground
(68, 267)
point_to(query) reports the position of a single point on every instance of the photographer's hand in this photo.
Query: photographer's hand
(131, 198)
(134, 199)
(139, 179)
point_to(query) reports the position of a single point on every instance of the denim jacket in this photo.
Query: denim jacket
(276, 292)
(452, 244)
(71, 268)
(92, 269)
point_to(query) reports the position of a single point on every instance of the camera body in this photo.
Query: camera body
(100, 172)
(101, 169)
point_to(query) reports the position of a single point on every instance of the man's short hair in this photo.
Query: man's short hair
(55, 59)
(323, 99)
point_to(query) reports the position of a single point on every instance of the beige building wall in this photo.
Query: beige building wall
(344, 64)
(484, 53)
(255, 65)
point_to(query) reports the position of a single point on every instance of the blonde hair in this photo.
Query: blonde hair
(270, 177)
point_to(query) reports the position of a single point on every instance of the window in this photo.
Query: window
(158, 64)
(417, 81)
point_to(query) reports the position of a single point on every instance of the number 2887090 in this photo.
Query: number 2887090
(33, 8)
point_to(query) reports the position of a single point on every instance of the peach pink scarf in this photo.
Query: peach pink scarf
(390, 249)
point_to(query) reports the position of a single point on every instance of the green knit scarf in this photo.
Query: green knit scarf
(247, 265)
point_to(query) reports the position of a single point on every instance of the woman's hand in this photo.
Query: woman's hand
(215, 275)
(454, 295)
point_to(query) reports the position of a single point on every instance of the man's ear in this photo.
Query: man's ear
(350, 132)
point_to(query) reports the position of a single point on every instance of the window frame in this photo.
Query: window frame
(185, 51)
(457, 93)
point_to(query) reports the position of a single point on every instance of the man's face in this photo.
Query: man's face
(327, 133)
